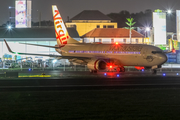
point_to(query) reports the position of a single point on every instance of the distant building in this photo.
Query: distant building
(159, 27)
(87, 20)
(112, 35)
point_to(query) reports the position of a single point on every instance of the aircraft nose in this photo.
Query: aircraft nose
(163, 58)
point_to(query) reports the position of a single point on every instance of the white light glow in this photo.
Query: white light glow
(9, 27)
(147, 29)
(54, 61)
(169, 11)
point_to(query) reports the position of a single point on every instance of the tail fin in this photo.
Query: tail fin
(62, 35)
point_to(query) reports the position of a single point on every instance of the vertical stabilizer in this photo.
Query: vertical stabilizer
(62, 35)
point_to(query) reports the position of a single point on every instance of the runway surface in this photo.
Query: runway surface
(85, 80)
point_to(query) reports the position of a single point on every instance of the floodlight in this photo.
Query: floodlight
(147, 29)
(169, 11)
(54, 61)
(9, 27)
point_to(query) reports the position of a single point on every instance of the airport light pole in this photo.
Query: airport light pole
(173, 35)
(54, 61)
(147, 29)
(64, 64)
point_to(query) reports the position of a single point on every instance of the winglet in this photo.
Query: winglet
(9, 49)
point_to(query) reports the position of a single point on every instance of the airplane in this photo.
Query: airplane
(100, 57)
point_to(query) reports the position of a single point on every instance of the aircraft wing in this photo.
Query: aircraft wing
(57, 56)
(41, 45)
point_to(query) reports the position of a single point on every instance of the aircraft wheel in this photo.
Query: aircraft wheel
(122, 69)
(93, 71)
(118, 69)
(154, 72)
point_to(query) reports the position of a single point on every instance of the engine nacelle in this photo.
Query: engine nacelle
(96, 64)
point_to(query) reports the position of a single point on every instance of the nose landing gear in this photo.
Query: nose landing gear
(154, 71)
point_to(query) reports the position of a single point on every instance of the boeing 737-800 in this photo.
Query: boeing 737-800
(100, 57)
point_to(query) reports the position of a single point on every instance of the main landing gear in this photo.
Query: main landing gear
(154, 71)
(93, 71)
(120, 69)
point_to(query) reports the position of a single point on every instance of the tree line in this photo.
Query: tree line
(142, 19)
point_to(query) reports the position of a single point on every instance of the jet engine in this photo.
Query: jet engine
(96, 64)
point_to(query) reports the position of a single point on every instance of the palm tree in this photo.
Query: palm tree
(130, 23)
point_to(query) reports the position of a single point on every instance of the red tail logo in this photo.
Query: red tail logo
(60, 28)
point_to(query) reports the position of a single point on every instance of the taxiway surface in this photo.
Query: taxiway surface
(85, 80)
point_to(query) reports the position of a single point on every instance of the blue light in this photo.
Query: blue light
(142, 70)
(164, 74)
(29, 69)
(105, 74)
(117, 75)
(177, 74)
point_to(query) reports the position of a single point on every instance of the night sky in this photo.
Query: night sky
(73, 7)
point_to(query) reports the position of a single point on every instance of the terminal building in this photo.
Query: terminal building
(112, 35)
(42, 36)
